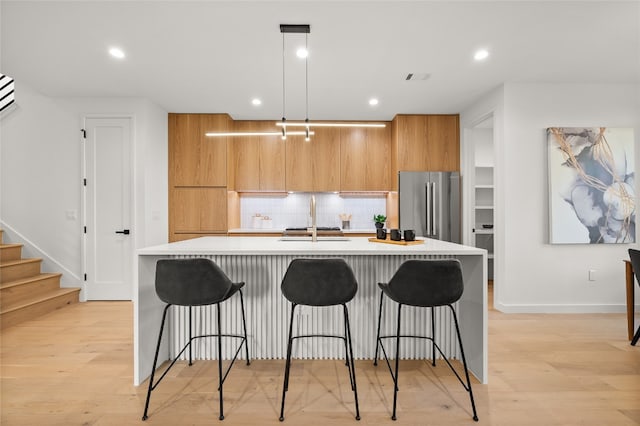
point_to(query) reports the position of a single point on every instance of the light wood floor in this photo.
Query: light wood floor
(74, 367)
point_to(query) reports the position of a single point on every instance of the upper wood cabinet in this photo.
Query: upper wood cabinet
(314, 165)
(365, 159)
(426, 142)
(258, 162)
(194, 159)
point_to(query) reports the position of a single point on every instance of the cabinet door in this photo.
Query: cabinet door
(299, 160)
(198, 210)
(272, 162)
(443, 143)
(411, 140)
(427, 142)
(246, 157)
(197, 160)
(378, 164)
(353, 159)
(326, 159)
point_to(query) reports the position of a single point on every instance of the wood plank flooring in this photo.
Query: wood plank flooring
(74, 367)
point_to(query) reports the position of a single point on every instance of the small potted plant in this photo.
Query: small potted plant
(379, 219)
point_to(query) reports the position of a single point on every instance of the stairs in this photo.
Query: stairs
(25, 292)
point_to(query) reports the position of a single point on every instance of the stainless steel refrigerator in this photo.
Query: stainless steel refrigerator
(429, 203)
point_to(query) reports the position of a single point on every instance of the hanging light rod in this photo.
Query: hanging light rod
(220, 134)
(321, 124)
(295, 28)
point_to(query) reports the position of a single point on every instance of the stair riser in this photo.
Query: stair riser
(20, 294)
(10, 253)
(34, 311)
(16, 272)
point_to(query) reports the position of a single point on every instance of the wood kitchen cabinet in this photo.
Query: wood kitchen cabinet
(314, 165)
(365, 159)
(197, 160)
(258, 162)
(425, 143)
(197, 175)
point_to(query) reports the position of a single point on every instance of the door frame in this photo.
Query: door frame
(83, 197)
(468, 164)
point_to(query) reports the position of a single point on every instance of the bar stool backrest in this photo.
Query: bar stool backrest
(319, 282)
(427, 282)
(191, 282)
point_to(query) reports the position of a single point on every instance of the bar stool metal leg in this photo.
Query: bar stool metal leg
(375, 358)
(244, 325)
(287, 366)
(464, 363)
(395, 377)
(433, 337)
(352, 369)
(155, 362)
(220, 363)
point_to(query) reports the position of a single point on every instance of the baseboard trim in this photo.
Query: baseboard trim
(562, 309)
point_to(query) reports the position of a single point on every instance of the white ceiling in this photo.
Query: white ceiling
(214, 56)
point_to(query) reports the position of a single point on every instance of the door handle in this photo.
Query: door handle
(124, 231)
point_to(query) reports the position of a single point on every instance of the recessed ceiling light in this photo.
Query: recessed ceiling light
(256, 101)
(373, 101)
(116, 52)
(481, 55)
(302, 53)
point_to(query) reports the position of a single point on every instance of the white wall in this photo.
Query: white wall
(534, 275)
(40, 202)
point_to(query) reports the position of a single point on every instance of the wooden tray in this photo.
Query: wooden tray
(401, 243)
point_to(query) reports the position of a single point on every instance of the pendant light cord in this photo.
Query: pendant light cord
(284, 128)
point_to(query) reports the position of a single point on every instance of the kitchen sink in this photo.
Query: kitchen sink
(308, 238)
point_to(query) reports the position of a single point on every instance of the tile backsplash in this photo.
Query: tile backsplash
(292, 210)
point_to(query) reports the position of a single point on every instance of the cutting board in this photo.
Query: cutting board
(400, 243)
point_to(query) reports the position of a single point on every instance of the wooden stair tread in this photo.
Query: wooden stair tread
(21, 281)
(22, 261)
(3, 245)
(44, 297)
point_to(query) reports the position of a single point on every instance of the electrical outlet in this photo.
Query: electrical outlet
(592, 274)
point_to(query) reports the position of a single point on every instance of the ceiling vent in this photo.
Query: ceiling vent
(417, 76)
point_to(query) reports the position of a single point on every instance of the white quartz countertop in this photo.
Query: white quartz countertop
(238, 245)
(280, 231)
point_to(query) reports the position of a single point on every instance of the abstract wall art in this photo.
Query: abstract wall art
(591, 185)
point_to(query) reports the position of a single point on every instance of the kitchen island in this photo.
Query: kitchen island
(261, 262)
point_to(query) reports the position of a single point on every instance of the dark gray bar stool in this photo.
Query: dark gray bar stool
(429, 284)
(321, 283)
(634, 255)
(195, 282)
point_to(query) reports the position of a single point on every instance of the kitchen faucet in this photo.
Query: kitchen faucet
(312, 212)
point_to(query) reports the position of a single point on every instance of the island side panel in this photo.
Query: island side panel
(473, 314)
(147, 314)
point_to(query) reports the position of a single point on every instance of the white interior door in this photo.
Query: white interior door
(108, 219)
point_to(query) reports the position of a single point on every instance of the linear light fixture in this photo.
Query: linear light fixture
(220, 134)
(326, 124)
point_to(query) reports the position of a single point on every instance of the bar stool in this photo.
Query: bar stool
(320, 283)
(634, 255)
(424, 283)
(195, 282)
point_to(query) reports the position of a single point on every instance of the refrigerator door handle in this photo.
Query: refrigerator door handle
(428, 207)
(433, 206)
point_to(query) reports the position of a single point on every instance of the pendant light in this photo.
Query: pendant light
(306, 124)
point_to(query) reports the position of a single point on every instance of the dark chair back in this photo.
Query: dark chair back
(319, 282)
(634, 255)
(191, 282)
(427, 282)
